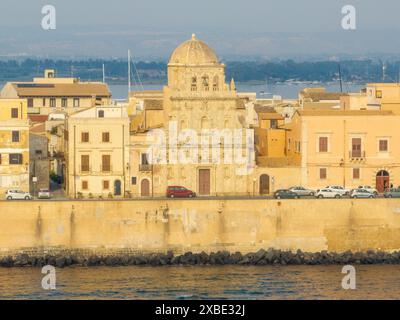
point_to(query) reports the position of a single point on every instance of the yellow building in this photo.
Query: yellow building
(50, 93)
(97, 156)
(14, 145)
(345, 147)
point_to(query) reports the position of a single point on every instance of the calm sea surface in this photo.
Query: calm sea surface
(203, 282)
(288, 91)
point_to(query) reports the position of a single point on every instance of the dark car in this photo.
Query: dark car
(285, 194)
(179, 192)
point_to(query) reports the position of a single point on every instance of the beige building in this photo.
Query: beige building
(14, 145)
(50, 93)
(97, 141)
(345, 147)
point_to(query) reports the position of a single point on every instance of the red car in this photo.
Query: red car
(179, 192)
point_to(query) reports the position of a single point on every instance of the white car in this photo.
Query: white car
(18, 195)
(369, 189)
(328, 193)
(338, 189)
(44, 194)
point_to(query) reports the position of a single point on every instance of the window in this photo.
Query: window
(356, 147)
(205, 83)
(273, 124)
(14, 113)
(378, 94)
(356, 173)
(44, 102)
(38, 152)
(106, 184)
(76, 102)
(84, 163)
(85, 137)
(15, 158)
(144, 159)
(322, 173)
(85, 185)
(0, 158)
(106, 137)
(383, 145)
(194, 84)
(106, 163)
(101, 113)
(323, 144)
(64, 102)
(30, 103)
(133, 180)
(15, 136)
(52, 103)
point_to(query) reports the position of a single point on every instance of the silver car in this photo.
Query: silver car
(300, 191)
(44, 194)
(18, 195)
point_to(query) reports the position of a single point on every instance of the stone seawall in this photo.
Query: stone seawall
(306, 231)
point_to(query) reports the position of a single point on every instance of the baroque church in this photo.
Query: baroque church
(196, 98)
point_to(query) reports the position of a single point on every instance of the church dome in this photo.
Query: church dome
(193, 52)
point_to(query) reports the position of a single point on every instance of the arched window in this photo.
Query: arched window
(194, 84)
(215, 83)
(205, 82)
(204, 123)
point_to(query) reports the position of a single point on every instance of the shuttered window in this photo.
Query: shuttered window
(322, 173)
(106, 137)
(106, 163)
(84, 163)
(383, 145)
(85, 137)
(356, 173)
(356, 147)
(323, 144)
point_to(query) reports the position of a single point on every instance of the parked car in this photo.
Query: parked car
(285, 194)
(361, 193)
(44, 194)
(369, 189)
(392, 193)
(328, 193)
(179, 192)
(18, 195)
(300, 191)
(339, 189)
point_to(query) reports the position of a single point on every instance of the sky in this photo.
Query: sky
(266, 29)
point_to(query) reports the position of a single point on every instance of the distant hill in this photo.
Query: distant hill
(241, 71)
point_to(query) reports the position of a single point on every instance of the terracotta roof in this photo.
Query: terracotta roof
(30, 89)
(318, 96)
(38, 117)
(153, 104)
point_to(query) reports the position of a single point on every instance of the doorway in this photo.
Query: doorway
(145, 188)
(117, 187)
(204, 182)
(264, 184)
(382, 181)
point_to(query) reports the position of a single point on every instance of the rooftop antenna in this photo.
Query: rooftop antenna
(340, 79)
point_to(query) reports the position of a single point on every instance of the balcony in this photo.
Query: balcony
(357, 155)
(145, 167)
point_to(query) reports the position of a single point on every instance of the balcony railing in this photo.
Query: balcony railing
(357, 154)
(145, 167)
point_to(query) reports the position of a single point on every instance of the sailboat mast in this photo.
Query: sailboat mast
(104, 74)
(129, 71)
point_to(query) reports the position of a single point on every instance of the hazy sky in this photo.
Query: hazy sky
(152, 28)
